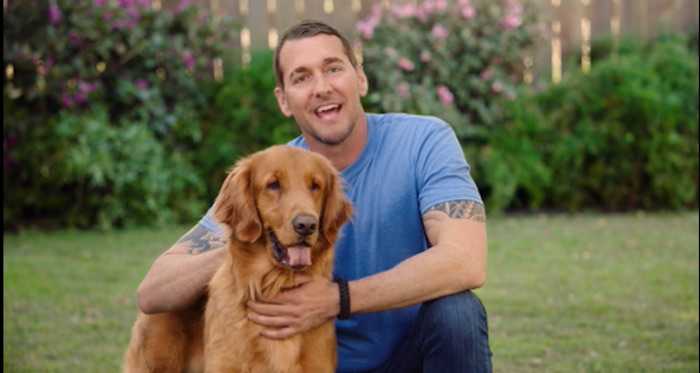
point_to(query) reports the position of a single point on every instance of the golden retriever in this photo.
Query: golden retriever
(283, 208)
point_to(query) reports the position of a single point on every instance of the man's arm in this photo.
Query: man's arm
(455, 262)
(179, 276)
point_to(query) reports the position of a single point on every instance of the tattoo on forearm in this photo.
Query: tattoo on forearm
(201, 239)
(462, 210)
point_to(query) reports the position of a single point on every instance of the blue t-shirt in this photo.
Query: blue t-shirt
(410, 164)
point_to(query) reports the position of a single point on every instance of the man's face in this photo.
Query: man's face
(322, 89)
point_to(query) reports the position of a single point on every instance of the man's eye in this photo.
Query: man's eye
(299, 79)
(335, 69)
(273, 185)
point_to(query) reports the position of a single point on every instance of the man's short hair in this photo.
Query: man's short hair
(307, 29)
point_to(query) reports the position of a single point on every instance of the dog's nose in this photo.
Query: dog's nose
(305, 224)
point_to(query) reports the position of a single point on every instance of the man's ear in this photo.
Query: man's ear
(363, 83)
(282, 101)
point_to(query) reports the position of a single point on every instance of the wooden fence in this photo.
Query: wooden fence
(570, 24)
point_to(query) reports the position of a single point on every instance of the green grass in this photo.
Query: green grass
(581, 293)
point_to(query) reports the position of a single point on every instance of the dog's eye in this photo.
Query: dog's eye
(314, 186)
(273, 185)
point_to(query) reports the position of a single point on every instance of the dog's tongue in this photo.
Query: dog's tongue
(299, 256)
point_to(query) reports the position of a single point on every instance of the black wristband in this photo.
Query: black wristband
(344, 298)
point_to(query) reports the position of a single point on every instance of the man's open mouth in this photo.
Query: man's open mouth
(295, 257)
(328, 111)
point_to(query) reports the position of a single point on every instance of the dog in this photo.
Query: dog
(282, 208)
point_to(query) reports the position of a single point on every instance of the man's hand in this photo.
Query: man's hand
(297, 310)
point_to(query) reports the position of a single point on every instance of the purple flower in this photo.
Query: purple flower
(126, 3)
(74, 39)
(141, 84)
(86, 88)
(188, 60)
(182, 5)
(439, 32)
(99, 3)
(67, 100)
(403, 89)
(406, 64)
(55, 15)
(446, 97)
(80, 98)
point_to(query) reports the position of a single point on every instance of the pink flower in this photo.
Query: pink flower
(406, 64)
(425, 56)
(487, 74)
(366, 26)
(497, 87)
(404, 11)
(468, 12)
(513, 16)
(99, 3)
(403, 89)
(55, 15)
(439, 32)
(366, 29)
(511, 22)
(440, 5)
(446, 97)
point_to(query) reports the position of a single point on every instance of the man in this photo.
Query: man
(414, 248)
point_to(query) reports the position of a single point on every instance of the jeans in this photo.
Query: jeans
(450, 335)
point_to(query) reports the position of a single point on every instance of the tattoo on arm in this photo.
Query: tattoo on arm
(462, 210)
(201, 239)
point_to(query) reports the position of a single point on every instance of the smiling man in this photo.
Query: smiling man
(415, 248)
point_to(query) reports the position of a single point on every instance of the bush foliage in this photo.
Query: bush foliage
(623, 136)
(102, 110)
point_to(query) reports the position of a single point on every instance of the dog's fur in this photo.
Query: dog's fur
(259, 202)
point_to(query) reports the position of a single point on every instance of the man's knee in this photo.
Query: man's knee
(458, 316)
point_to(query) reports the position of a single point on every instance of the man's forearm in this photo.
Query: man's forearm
(179, 276)
(425, 276)
(176, 281)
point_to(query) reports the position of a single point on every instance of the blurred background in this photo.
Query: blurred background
(579, 119)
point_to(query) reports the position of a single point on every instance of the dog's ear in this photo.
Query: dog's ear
(235, 204)
(336, 208)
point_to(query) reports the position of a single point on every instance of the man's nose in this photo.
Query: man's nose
(322, 87)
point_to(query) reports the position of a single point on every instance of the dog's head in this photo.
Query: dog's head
(286, 200)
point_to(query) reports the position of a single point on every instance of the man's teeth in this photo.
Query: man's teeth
(327, 108)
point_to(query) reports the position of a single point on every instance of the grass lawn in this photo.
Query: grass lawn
(581, 293)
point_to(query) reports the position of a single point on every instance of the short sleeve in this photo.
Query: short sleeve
(209, 222)
(442, 171)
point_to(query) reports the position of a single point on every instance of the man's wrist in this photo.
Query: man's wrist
(343, 298)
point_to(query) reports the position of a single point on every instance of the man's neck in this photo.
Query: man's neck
(345, 154)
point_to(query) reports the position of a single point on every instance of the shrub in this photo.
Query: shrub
(244, 118)
(133, 79)
(455, 61)
(623, 136)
